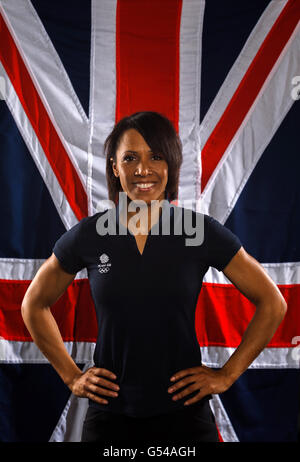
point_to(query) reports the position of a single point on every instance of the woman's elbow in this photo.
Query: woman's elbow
(273, 304)
(26, 310)
(278, 306)
(282, 307)
(31, 304)
(24, 306)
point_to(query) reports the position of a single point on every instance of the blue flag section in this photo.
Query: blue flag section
(32, 400)
(271, 194)
(268, 397)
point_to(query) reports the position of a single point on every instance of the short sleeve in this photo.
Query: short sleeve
(68, 249)
(220, 243)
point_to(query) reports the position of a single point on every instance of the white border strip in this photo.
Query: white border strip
(280, 273)
(26, 269)
(189, 95)
(269, 358)
(102, 95)
(21, 269)
(17, 352)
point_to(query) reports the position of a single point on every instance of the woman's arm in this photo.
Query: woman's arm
(252, 281)
(49, 283)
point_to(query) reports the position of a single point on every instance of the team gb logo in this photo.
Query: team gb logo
(105, 264)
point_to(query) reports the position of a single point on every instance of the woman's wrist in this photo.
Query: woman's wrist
(230, 374)
(71, 376)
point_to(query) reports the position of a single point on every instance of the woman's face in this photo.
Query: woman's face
(143, 174)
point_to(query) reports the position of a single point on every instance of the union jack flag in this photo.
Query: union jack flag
(227, 74)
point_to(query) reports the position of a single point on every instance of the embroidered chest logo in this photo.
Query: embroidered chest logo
(105, 264)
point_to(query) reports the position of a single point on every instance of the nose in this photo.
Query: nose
(143, 168)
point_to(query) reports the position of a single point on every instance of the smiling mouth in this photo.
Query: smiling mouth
(144, 186)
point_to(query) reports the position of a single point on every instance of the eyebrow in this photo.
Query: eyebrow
(134, 152)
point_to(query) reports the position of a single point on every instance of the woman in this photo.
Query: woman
(148, 381)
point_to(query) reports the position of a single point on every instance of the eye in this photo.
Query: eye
(157, 157)
(128, 158)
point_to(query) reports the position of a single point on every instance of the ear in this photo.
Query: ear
(114, 167)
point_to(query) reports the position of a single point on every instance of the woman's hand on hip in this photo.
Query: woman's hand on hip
(94, 383)
(202, 379)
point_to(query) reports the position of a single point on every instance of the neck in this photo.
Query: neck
(141, 217)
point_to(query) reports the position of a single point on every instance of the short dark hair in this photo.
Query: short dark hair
(160, 135)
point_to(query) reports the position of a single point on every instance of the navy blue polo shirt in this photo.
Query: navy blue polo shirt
(145, 304)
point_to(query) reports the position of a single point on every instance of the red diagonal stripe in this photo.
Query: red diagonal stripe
(248, 89)
(147, 57)
(32, 104)
(223, 314)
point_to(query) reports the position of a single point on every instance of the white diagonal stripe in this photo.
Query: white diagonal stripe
(234, 169)
(239, 68)
(69, 426)
(62, 205)
(222, 420)
(50, 79)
